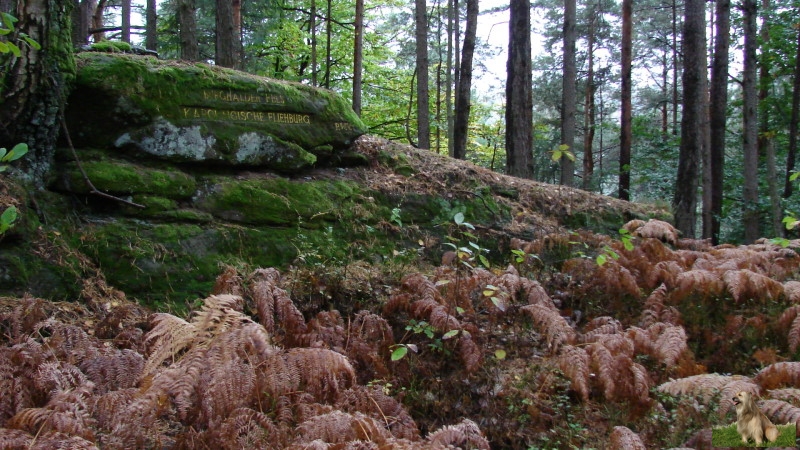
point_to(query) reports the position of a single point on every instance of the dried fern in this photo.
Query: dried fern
(600, 326)
(465, 434)
(550, 323)
(779, 374)
(275, 309)
(341, 427)
(790, 395)
(705, 386)
(790, 320)
(701, 283)
(792, 291)
(780, 412)
(745, 284)
(574, 362)
(622, 438)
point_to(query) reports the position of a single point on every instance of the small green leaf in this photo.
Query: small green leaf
(499, 304)
(35, 45)
(627, 244)
(4, 47)
(450, 334)
(441, 282)
(458, 218)
(399, 353)
(12, 47)
(16, 153)
(488, 292)
(484, 261)
(8, 217)
(601, 259)
(500, 354)
(459, 310)
(793, 176)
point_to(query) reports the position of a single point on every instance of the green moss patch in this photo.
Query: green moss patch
(121, 96)
(117, 177)
(283, 202)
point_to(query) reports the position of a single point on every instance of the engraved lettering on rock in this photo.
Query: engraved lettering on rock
(243, 97)
(244, 116)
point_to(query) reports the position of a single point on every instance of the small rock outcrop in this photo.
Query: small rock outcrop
(194, 113)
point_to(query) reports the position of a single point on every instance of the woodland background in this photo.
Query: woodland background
(602, 104)
(568, 339)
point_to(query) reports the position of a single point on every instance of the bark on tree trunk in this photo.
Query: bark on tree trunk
(694, 57)
(358, 52)
(423, 104)
(187, 24)
(568, 94)
(225, 54)
(750, 115)
(36, 84)
(126, 21)
(589, 107)
(151, 30)
(460, 130)
(793, 125)
(626, 134)
(81, 16)
(519, 96)
(766, 142)
(717, 117)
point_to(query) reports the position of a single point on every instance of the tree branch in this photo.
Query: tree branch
(92, 190)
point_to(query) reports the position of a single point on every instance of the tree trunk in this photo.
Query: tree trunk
(589, 107)
(519, 96)
(568, 94)
(151, 28)
(793, 125)
(423, 107)
(81, 16)
(448, 79)
(328, 43)
(312, 30)
(675, 62)
(750, 116)
(694, 58)
(717, 118)
(97, 21)
(225, 53)
(765, 136)
(126, 21)
(460, 129)
(187, 24)
(626, 134)
(358, 53)
(36, 84)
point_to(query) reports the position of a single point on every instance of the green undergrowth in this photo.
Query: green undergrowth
(728, 437)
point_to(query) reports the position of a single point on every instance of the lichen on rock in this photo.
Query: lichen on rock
(195, 113)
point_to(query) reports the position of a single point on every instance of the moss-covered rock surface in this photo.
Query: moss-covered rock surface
(197, 113)
(178, 169)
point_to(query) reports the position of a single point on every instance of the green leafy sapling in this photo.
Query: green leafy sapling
(9, 216)
(607, 252)
(7, 28)
(472, 252)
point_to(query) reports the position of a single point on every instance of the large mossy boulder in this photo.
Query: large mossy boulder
(196, 113)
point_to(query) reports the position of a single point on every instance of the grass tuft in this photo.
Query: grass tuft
(728, 437)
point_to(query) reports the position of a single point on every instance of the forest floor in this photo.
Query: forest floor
(579, 340)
